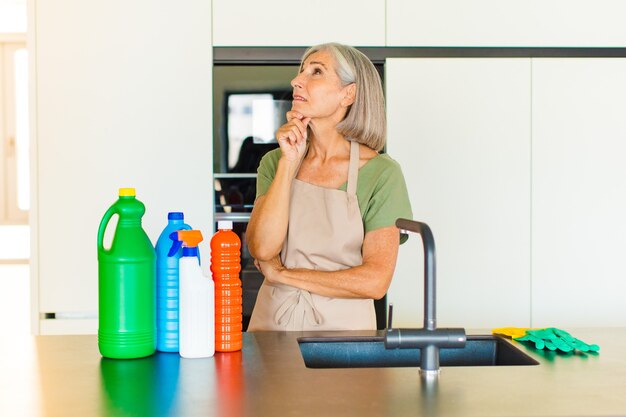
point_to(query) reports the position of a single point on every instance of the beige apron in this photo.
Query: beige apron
(326, 234)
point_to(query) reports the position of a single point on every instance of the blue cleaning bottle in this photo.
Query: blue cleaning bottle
(168, 285)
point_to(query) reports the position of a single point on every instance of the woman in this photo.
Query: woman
(323, 231)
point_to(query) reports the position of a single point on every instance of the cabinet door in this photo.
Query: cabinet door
(285, 23)
(539, 23)
(129, 108)
(579, 192)
(460, 129)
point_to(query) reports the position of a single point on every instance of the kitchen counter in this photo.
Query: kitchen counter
(66, 376)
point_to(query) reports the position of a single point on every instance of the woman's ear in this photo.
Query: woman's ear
(350, 95)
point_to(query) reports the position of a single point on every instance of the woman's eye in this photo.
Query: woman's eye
(317, 71)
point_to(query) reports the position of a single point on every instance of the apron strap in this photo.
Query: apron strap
(353, 169)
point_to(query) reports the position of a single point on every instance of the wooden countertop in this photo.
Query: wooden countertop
(66, 376)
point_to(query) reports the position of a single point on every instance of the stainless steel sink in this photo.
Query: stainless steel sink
(370, 352)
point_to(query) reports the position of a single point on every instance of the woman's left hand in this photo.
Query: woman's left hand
(270, 269)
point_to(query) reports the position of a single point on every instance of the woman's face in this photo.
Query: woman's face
(317, 90)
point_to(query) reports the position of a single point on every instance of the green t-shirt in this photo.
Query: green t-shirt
(381, 190)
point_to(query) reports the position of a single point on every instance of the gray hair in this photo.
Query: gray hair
(365, 120)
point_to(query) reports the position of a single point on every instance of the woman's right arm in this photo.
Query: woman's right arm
(269, 219)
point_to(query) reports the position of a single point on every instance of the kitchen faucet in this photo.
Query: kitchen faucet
(429, 339)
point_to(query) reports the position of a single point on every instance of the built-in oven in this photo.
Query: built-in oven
(250, 101)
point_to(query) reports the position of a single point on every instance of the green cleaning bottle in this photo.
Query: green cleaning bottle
(126, 283)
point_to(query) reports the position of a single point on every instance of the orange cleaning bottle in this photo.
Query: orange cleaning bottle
(225, 267)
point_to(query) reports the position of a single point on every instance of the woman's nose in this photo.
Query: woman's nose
(296, 82)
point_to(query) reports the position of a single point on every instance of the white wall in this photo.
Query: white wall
(123, 99)
(460, 129)
(579, 192)
(285, 23)
(517, 166)
(539, 23)
(446, 23)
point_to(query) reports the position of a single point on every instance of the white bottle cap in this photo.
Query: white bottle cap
(225, 225)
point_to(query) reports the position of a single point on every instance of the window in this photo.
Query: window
(14, 152)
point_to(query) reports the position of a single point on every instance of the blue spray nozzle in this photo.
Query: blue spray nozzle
(176, 244)
(189, 240)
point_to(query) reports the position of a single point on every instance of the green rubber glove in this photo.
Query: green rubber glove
(553, 339)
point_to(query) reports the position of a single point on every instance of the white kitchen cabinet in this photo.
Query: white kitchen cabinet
(113, 108)
(579, 192)
(487, 23)
(460, 129)
(288, 23)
